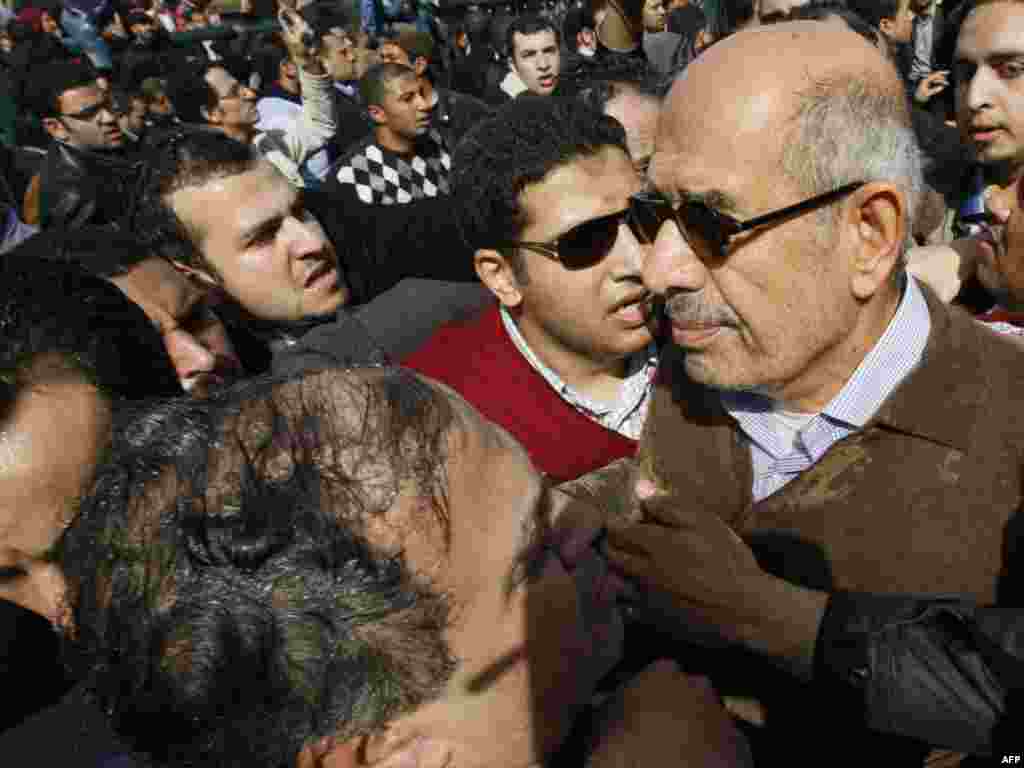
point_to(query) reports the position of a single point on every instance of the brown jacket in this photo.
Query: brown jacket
(919, 501)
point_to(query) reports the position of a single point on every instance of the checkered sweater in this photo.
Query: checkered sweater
(378, 176)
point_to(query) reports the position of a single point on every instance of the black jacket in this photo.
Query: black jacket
(944, 671)
(79, 187)
(455, 113)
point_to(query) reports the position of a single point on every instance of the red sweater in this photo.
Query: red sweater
(479, 361)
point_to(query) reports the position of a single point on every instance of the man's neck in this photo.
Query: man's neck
(242, 133)
(427, 88)
(393, 142)
(600, 380)
(828, 374)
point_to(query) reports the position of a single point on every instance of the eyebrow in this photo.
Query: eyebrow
(271, 222)
(717, 199)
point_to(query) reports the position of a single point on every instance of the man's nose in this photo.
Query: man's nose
(248, 93)
(979, 89)
(630, 254)
(672, 264)
(305, 238)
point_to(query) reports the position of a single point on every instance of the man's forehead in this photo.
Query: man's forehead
(221, 80)
(533, 42)
(84, 95)
(992, 28)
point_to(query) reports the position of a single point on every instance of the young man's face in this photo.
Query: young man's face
(269, 254)
(654, 15)
(87, 120)
(537, 60)
(405, 109)
(236, 103)
(134, 120)
(392, 53)
(343, 58)
(988, 72)
(579, 317)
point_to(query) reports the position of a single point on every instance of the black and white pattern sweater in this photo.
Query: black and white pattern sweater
(378, 176)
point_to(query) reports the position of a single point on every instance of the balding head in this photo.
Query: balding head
(766, 119)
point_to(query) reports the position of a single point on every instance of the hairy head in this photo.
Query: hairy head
(230, 606)
(373, 86)
(184, 158)
(519, 145)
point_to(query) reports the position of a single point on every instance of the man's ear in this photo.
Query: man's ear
(377, 114)
(199, 275)
(877, 218)
(885, 27)
(420, 65)
(495, 271)
(55, 128)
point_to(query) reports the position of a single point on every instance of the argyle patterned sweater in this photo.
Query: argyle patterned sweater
(378, 176)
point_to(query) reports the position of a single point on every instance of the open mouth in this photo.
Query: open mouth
(633, 310)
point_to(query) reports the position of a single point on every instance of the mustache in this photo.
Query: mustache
(693, 309)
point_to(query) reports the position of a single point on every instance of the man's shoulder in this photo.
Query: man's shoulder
(467, 350)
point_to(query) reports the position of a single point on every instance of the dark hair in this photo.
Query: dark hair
(415, 43)
(100, 251)
(54, 79)
(873, 11)
(520, 144)
(373, 85)
(94, 330)
(598, 85)
(189, 92)
(184, 157)
(577, 18)
(733, 14)
(822, 10)
(322, 17)
(528, 24)
(229, 607)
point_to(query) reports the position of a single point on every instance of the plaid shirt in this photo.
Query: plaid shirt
(897, 353)
(626, 417)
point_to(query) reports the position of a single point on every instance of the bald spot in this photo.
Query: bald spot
(761, 70)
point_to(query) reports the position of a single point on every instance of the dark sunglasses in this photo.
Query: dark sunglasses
(586, 244)
(713, 229)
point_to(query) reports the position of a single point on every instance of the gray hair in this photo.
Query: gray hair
(849, 128)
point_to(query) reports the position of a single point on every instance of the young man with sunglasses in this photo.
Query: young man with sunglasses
(824, 405)
(87, 175)
(565, 360)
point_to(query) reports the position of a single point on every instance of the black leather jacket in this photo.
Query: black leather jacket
(79, 187)
(944, 671)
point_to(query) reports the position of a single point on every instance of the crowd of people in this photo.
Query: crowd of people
(622, 382)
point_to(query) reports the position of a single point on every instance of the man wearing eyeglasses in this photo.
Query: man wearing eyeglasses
(565, 360)
(826, 406)
(86, 176)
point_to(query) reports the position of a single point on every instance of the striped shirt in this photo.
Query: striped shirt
(897, 353)
(626, 417)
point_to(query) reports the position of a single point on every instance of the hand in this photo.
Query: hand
(931, 85)
(692, 569)
(302, 43)
(666, 717)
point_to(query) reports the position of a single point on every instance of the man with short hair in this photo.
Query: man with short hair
(230, 220)
(86, 176)
(404, 160)
(371, 561)
(452, 113)
(798, 400)
(565, 361)
(207, 93)
(533, 50)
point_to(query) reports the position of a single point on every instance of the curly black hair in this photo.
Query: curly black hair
(229, 607)
(520, 144)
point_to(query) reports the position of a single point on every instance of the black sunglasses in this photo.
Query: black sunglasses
(713, 228)
(586, 244)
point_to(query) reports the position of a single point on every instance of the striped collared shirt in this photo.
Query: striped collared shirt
(897, 353)
(626, 417)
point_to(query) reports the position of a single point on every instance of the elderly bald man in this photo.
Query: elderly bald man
(815, 399)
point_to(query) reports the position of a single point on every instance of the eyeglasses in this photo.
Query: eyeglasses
(713, 229)
(90, 113)
(588, 243)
